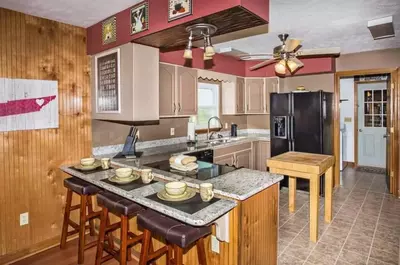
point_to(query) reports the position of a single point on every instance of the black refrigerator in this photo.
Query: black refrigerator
(302, 122)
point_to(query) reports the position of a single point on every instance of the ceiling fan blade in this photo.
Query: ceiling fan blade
(291, 44)
(297, 61)
(256, 56)
(262, 64)
(334, 51)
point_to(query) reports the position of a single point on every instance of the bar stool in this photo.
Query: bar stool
(177, 235)
(125, 209)
(85, 190)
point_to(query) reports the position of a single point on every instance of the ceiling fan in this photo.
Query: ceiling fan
(287, 55)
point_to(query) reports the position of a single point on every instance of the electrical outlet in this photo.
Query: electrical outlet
(214, 244)
(23, 219)
(226, 125)
(172, 131)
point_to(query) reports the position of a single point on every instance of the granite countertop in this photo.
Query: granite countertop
(203, 217)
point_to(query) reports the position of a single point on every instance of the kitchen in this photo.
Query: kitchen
(161, 113)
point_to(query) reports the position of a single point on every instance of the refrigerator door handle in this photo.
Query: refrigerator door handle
(291, 128)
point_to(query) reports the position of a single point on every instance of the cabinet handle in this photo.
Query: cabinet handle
(174, 107)
(247, 107)
(179, 107)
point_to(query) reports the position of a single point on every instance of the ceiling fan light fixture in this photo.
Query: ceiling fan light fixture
(280, 67)
(292, 66)
(188, 54)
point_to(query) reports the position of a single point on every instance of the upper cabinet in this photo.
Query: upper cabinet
(255, 96)
(240, 95)
(123, 85)
(271, 86)
(178, 91)
(233, 97)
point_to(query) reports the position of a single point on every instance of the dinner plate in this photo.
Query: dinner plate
(88, 168)
(118, 180)
(188, 194)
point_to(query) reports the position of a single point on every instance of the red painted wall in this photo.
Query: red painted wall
(158, 20)
(258, 7)
(311, 66)
(220, 63)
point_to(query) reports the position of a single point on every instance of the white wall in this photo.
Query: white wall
(347, 110)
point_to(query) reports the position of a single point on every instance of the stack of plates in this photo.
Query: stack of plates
(119, 180)
(188, 194)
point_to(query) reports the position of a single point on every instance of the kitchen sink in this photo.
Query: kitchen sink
(223, 140)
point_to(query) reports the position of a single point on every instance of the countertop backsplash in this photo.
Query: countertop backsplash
(111, 149)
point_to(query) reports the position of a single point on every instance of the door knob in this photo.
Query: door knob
(386, 135)
(360, 130)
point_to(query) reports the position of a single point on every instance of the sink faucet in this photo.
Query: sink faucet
(208, 127)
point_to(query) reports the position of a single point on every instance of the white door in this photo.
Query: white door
(372, 124)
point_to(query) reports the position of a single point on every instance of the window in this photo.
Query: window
(208, 104)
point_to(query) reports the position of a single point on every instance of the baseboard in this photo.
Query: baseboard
(32, 250)
(349, 164)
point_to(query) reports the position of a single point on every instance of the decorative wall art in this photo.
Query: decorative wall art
(179, 9)
(109, 30)
(107, 82)
(28, 104)
(140, 18)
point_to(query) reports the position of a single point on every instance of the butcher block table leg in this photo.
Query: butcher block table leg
(314, 207)
(292, 194)
(328, 195)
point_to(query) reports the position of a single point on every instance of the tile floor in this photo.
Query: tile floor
(365, 227)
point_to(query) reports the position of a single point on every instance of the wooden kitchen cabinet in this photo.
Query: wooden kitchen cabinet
(255, 96)
(167, 90)
(240, 96)
(225, 160)
(271, 86)
(240, 155)
(178, 91)
(262, 152)
(187, 91)
(244, 159)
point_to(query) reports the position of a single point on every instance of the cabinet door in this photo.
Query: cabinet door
(272, 86)
(167, 90)
(244, 159)
(240, 95)
(263, 153)
(255, 95)
(187, 91)
(224, 160)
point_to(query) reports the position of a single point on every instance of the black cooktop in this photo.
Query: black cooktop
(204, 172)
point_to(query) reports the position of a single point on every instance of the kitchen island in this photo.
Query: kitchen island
(245, 220)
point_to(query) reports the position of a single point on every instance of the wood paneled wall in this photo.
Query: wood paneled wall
(30, 181)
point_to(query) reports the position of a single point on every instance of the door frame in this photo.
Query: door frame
(356, 83)
(394, 121)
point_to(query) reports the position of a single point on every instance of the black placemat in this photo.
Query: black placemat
(130, 186)
(190, 206)
(87, 172)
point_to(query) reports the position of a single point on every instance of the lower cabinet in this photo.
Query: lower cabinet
(248, 155)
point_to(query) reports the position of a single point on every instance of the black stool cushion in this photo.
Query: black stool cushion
(117, 204)
(172, 230)
(81, 187)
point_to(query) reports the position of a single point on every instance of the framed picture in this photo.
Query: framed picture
(109, 30)
(140, 18)
(107, 78)
(179, 9)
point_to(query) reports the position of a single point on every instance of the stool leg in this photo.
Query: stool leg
(104, 220)
(82, 229)
(169, 254)
(66, 219)
(110, 237)
(144, 252)
(90, 211)
(123, 251)
(178, 255)
(201, 253)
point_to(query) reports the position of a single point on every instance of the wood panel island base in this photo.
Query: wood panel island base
(253, 234)
(311, 167)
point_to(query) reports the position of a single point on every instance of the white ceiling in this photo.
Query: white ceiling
(83, 13)
(320, 23)
(324, 23)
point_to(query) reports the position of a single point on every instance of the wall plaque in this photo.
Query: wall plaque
(107, 83)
